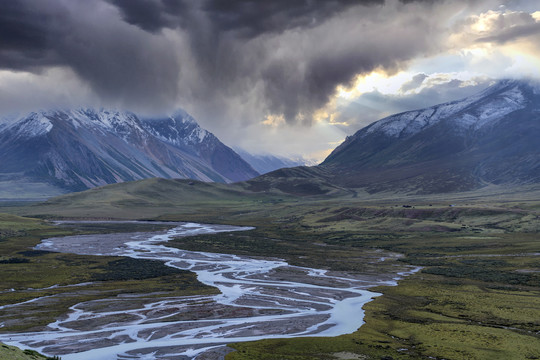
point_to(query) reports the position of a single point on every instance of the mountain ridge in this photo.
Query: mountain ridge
(265, 163)
(455, 146)
(80, 149)
(463, 145)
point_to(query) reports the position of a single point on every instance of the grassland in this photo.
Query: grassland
(17, 189)
(477, 296)
(13, 353)
(28, 274)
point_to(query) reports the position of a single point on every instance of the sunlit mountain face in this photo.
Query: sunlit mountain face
(486, 139)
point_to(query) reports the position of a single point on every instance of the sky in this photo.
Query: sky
(286, 77)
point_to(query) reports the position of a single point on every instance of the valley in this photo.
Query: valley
(478, 252)
(269, 180)
(299, 263)
(259, 299)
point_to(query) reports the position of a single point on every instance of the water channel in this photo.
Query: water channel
(259, 299)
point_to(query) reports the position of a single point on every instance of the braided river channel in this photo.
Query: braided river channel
(259, 299)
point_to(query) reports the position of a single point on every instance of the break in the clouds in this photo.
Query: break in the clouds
(264, 74)
(420, 92)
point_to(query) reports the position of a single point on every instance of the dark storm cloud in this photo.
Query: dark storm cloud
(221, 59)
(248, 18)
(25, 35)
(116, 60)
(152, 15)
(290, 55)
(513, 33)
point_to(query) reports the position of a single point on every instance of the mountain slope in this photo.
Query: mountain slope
(461, 145)
(183, 132)
(80, 149)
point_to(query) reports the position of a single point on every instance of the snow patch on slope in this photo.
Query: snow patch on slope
(490, 106)
(180, 129)
(196, 134)
(121, 123)
(32, 126)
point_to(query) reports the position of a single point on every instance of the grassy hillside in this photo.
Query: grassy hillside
(20, 189)
(157, 197)
(145, 199)
(13, 353)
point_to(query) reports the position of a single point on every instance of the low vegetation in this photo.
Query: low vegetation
(13, 353)
(426, 317)
(476, 297)
(28, 274)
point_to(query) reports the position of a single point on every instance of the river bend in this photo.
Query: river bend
(260, 299)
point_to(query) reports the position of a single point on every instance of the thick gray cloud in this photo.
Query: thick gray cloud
(513, 33)
(247, 18)
(280, 57)
(373, 106)
(500, 27)
(124, 65)
(26, 33)
(228, 62)
(151, 15)
(415, 82)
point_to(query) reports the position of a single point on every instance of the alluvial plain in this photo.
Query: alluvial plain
(476, 296)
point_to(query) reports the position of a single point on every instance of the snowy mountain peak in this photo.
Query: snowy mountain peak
(183, 116)
(108, 119)
(83, 148)
(35, 124)
(489, 138)
(179, 129)
(471, 113)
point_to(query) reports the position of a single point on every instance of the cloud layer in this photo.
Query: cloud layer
(235, 64)
(155, 53)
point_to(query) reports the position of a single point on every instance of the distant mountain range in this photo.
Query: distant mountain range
(489, 138)
(72, 150)
(265, 163)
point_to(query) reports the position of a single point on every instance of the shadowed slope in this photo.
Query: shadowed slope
(490, 138)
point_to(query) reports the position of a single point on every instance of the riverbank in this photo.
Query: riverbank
(260, 298)
(481, 248)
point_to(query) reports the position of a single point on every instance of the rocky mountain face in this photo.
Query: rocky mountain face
(80, 149)
(490, 138)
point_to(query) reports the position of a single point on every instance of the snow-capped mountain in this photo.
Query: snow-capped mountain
(180, 129)
(84, 148)
(472, 113)
(460, 145)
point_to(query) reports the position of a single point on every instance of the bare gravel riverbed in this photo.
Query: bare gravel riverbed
(260, 298)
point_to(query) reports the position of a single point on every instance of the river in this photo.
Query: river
(260, 299)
